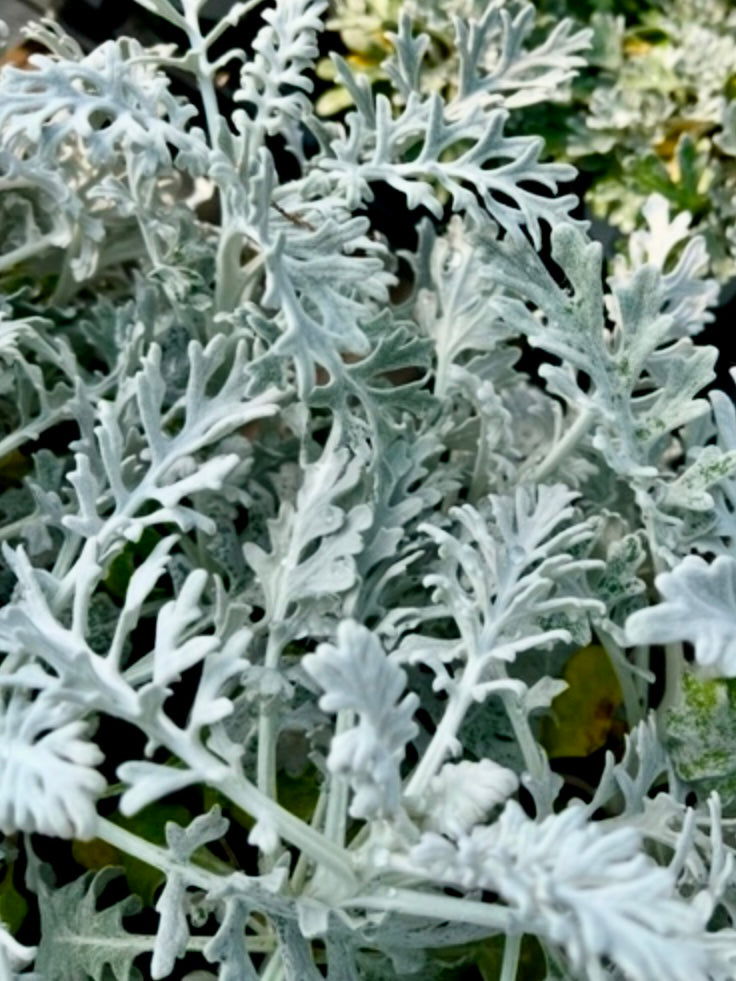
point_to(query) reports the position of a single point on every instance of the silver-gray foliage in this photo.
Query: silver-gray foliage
(281, 510)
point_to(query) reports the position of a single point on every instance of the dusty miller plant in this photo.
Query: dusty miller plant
(282, 511)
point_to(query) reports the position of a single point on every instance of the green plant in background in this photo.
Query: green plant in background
(658, 114)
(516, 58)
(304, 577)
(654, 111)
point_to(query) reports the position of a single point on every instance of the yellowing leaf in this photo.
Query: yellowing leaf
(635, 46)
(583, 714)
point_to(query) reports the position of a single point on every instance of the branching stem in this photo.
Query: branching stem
(511, 951)
(564, 447)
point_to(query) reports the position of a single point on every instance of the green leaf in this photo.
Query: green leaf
(484, 959)
(681, 184)
(299, 794)
(13, 905)
(127, 561)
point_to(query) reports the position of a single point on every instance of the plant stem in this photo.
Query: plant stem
(413, 902)
(479, 481)
(32, 430)
(674, 655)
(243, 793)
(267, 729)
(336, 817)
(564, 447)
(204, 72)
(266, 762)
(511, 951)
(155, 855)
(443, 741)
(674, 666)
(534, 758)
(274, 969)
(304, 862)
(641, 663)
(632, 702)
(27, 251)
(291, 828)
(16, 527)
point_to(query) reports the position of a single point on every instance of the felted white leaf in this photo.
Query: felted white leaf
(313, 539)
(275, 81)
(149, 782)
(463, 795)
(688, 295)
(503, 578)
(700, 607)
(588, 888)
(13, 955)
(357, 675)
(172, 935)
(48, 780)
